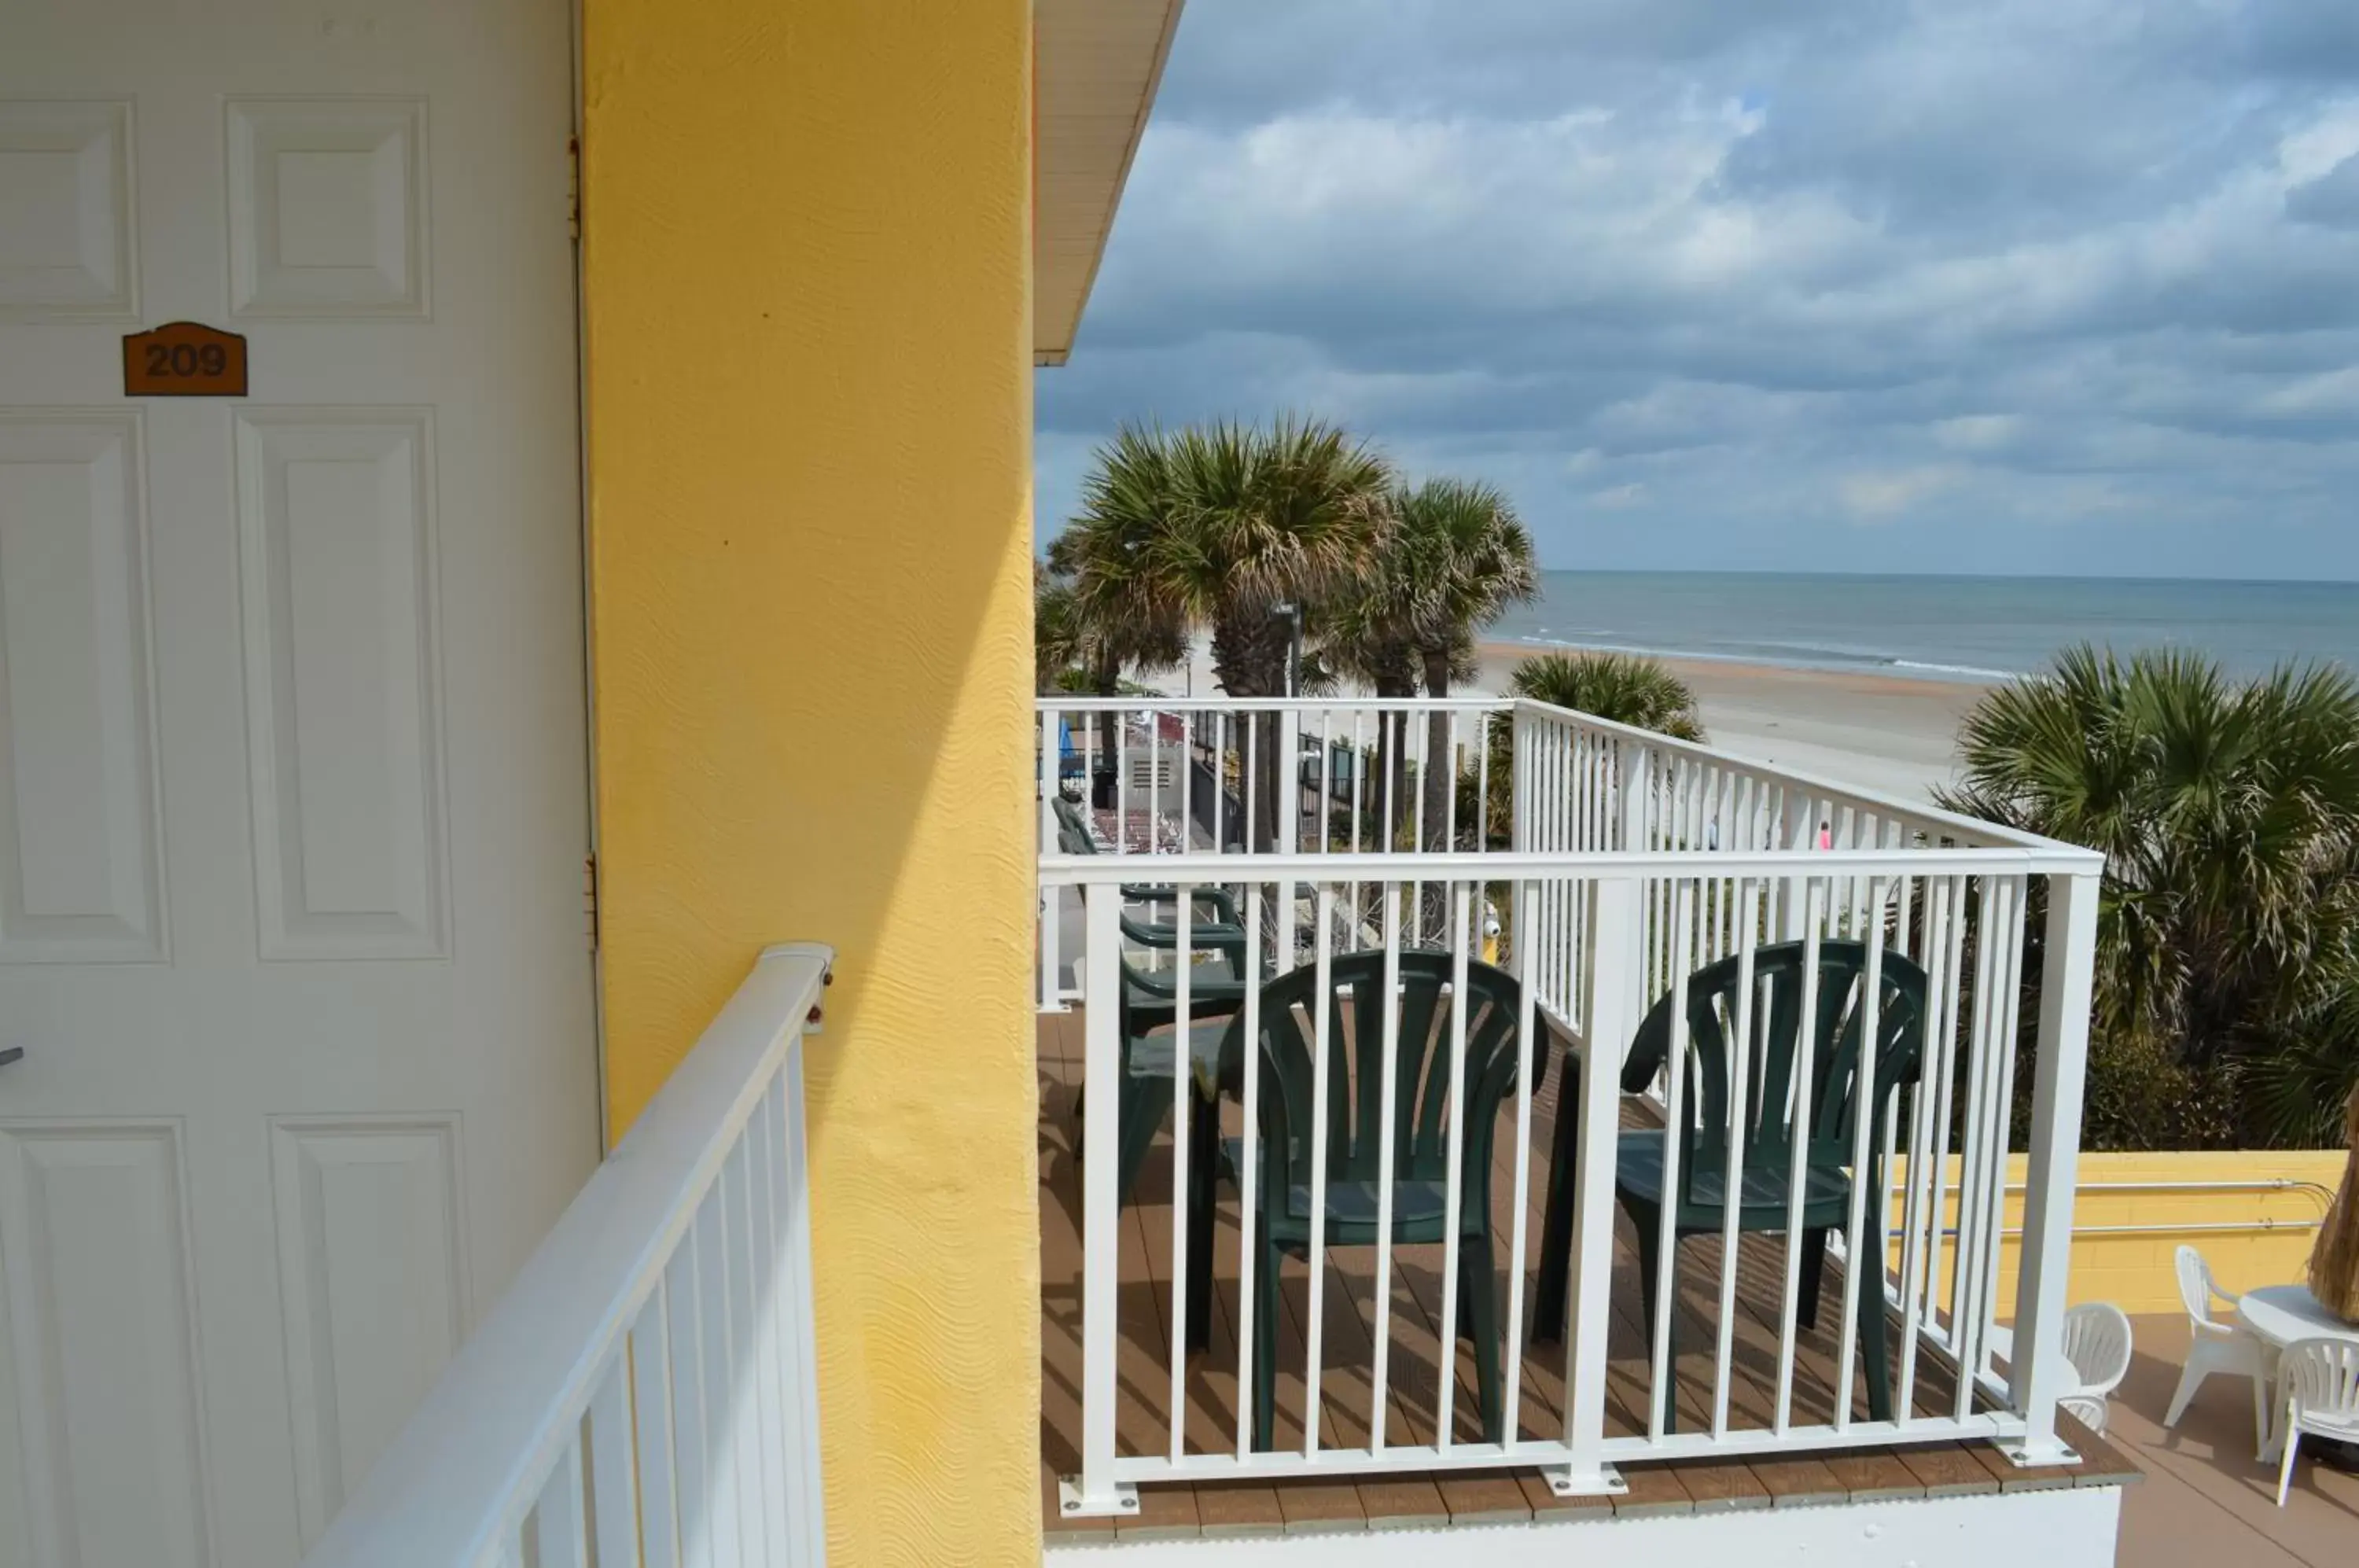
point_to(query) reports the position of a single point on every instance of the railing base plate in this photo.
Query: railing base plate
(2028, 1456)
(1072, 1503)
(1603, 1481)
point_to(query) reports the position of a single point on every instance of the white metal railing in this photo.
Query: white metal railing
(1632, 864)
(1165, 775)
(645, 1393)
(1351, 777)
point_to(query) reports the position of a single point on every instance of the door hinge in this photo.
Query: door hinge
(573, 186)
(590, 899)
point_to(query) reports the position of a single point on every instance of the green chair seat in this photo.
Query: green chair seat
(1417, 1208)
(1150, 1055)
(1826, 1192)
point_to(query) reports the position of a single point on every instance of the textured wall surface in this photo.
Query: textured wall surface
(2138, 1272)
(809, 403)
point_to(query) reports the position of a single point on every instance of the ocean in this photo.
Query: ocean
(1960, 628)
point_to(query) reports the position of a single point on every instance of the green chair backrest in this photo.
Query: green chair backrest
(1421, 1105)
(1839, 1018)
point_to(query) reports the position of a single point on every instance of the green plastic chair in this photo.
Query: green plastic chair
(1149, 1012)
(1770, 1128)
(1421, 1137)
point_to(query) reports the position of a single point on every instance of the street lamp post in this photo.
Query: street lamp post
(1292, 615)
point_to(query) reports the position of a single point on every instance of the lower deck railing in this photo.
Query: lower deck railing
(644, 1392)
(1242, 997)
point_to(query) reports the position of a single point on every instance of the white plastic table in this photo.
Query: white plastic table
(2280, 1314)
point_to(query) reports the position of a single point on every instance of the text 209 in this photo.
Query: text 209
(186, 359)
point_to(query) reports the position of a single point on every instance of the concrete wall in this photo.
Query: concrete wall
(2135, 1272)
(806, 260)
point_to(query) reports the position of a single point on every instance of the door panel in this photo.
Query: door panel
(293, 769)
(342, 672)
(94, 1240)
(372, 1267)
(81, 878)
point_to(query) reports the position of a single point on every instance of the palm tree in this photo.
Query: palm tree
(1264, 519)
(1057, 637)
(1361, 636)
(1458, 556)
(1255, 520)
(2228, 813)
(1626, 689)
(1466, 558)
(1097, 606)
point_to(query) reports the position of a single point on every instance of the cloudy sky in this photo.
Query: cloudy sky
(2045, 285)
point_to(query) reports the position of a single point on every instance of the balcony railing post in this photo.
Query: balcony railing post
(1636, 770)
(1606, 1025)
(1794, 832)
(1095, 1491)
(2038, 1372)
(1289, 782)
(1051, 961)
(1519, 789)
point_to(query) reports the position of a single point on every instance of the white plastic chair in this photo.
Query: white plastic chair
(2097, 1348)
(2217, 1347)
(2097, 1343)
(2320, 1380)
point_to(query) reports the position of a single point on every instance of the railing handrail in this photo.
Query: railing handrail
(1924, 814)
(1160, 704)
(1203, 868)
(1920, 814)
(468, 1465)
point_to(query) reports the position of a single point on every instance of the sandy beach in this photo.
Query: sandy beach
(1890, 735)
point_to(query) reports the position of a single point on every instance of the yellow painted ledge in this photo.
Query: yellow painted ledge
(2136, 1271)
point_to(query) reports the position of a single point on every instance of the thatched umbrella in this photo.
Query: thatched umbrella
(2334, 1261)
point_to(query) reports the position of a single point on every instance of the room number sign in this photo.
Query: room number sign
(184, 359)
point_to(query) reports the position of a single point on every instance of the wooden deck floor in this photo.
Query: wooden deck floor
(1210, 1410)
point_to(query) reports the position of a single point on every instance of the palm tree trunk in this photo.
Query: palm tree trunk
(1440, 779)
(1441, 767)
(1107, 682)
(1391, 776)
(1249, 655)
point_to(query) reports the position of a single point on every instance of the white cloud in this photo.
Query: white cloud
(1977, 433)
(1880, 497)
(1773, 270)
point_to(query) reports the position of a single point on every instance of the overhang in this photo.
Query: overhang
(1096, 65)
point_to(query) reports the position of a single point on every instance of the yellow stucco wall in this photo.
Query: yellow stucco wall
(2136, 1272)
(806, 261)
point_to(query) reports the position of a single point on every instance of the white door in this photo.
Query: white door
(292, 757)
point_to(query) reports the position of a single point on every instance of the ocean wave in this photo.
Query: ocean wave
(1970, 671)
(1779, 656)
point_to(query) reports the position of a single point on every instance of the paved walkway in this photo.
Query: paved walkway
(2207, 1502)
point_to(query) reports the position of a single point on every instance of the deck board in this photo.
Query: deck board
(1416, 1366)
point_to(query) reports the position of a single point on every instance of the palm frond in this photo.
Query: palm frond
(1624, 688)
(2228, 813)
